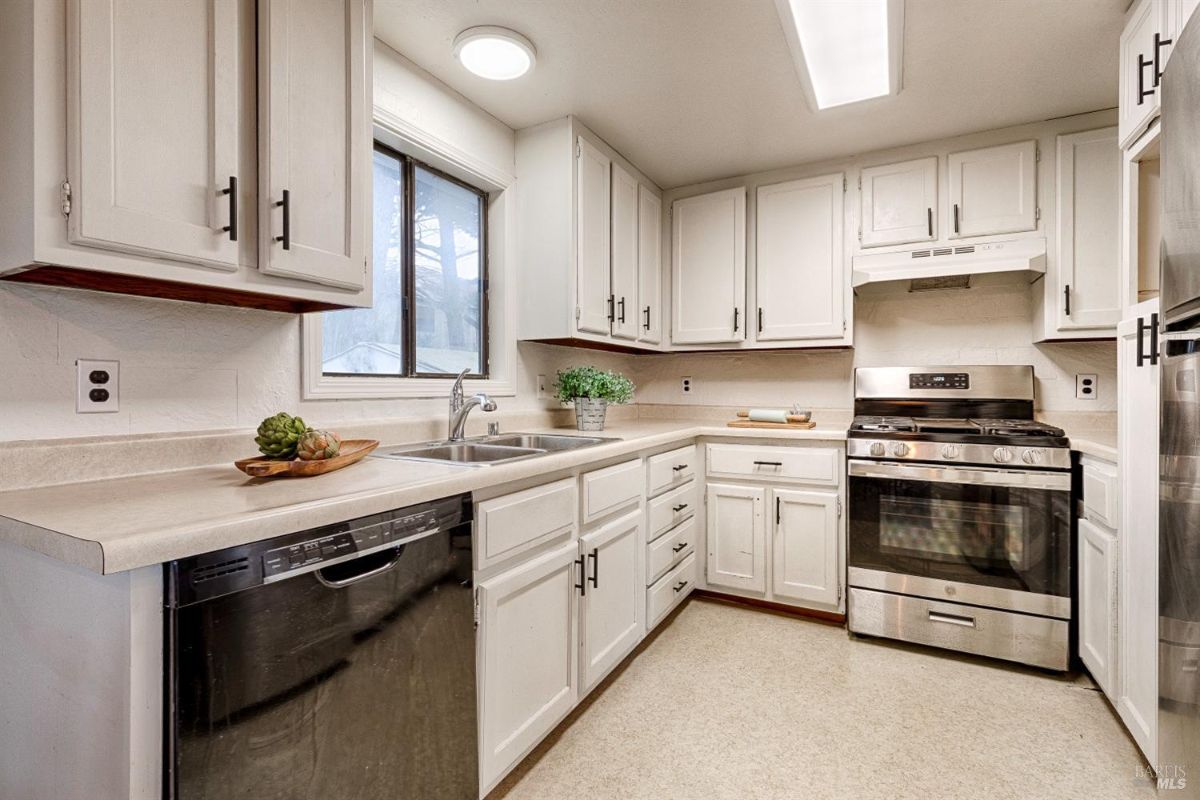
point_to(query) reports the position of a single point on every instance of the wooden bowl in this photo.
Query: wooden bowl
(353, 450)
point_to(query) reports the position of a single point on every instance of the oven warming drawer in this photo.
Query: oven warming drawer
(1038, 641)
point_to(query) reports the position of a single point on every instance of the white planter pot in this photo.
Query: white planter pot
(589, 413)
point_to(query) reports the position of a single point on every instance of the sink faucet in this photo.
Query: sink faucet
(460, 408)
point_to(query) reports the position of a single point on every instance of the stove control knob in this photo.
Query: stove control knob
(1033, 456)
(951, 451)
(1002, 454)
(877, 448)
(899, 449)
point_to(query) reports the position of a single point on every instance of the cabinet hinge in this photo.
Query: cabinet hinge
(844, 184)
(860, 233)
(839, 600)
(1037, 213)
(860, 183)
(1037, 154)
(476, 608)
(839, 507)
(65, 196)
(578, 313)
(578, 150)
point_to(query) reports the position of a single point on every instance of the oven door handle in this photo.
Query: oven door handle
(1015, 478)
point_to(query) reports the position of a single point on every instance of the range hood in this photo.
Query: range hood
(1018, 255)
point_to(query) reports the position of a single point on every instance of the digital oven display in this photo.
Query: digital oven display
(939, 380)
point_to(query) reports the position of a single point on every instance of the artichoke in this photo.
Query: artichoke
(316, 445)
(277, 435)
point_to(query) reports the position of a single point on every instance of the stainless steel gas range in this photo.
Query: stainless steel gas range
(960, 513)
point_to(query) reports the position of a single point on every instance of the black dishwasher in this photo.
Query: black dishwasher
(333, 663)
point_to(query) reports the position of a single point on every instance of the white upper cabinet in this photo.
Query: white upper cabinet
(737, 540)
(625, 248)
(993, 190)
(804, 547)
(708, 268)
(899, 203)
(155, 130)
(314, 140)
(593, 277)
(1088, 219)
(799, 266)
(1143, 53)
(649, 266)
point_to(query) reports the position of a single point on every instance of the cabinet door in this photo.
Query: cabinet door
(1137, 95)
(1089, 224)
(708, 268)
(314, 140)
(154, 128)
(1178, 12)
(899, 203)
(527, 655)
(804, 547)
(993, 190)
(1138, 436)
(737, 539)
(613, 608)
(649, 266)
(593, 296)
(800, 272)
(1097, 602)
(624, 254)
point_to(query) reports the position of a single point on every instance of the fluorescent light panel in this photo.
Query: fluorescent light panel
(845, 46)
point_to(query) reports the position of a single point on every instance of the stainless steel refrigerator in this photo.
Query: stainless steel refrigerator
(1179, 444)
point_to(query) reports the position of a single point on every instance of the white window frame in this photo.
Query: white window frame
(405, 138)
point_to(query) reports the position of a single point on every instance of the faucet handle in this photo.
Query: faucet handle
(493, 429)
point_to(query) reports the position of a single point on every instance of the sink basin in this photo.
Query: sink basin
(462, 453)
(542, 441)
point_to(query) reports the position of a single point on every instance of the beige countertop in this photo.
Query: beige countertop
(120, 524)
(1100, 444)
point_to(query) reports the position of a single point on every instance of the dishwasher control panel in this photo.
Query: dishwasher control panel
(347, 543)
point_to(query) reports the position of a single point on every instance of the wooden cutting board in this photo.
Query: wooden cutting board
(775, 426)
(353, 451)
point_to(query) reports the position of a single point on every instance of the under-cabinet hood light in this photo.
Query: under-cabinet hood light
(494, 53)
(846, 50)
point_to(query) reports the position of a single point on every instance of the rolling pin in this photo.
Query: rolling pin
(773, 415)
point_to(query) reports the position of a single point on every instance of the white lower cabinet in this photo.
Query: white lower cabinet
(612, 612)
(1097, 549)
(737, 539)
(529, 674)
(804, 553)
(670, 590)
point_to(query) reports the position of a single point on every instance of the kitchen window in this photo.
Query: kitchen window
(429, 313)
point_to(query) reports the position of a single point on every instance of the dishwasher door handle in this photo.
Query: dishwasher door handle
(362, 576)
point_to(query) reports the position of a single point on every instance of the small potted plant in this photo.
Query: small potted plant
(591, 390)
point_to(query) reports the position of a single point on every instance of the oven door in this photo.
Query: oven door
(995, 537)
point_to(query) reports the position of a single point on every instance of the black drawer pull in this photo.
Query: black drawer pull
(929, 221)
(595, 579)
(1142, 92)
(768, 463)
(582, 585)
(286, 203)
(956, 217)
(1067, 300)
(232, 227)
(680, 586)
(1159, 44)
(621, 314)
(678, 508)
(679, 468)
(647, 313)
(678, 547)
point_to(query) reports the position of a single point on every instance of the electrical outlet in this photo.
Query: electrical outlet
(542, 394)
(685, 385)
(97, 387)
(1086, 387)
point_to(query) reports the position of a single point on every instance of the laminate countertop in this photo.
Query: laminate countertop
(1101, 444)
(121, 524)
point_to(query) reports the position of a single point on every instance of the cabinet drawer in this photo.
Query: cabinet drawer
(670, 469)
(667, 551)
(670, 509)
(670, 590)
(795, 464)
(609, 489)
(515, 523)
(1100, 493)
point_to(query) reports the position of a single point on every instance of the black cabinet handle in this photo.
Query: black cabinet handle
(1144, 357)
(1159, 44)
(595, 579)
(1154, 340)
(679, 467)
(768, 463)
(622, 315)
(679, 587)
(929, 221)
(286, 203)
(582, 585)
(678, 508)
(678, 547)
(612, 313)
(760, 319)
(232, 227)
(647, 313)
(735, 320)
(1067, 300)
(956, 217)
(778, 510)
(1143, 92)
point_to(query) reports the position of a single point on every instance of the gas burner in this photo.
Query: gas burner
(884, 424)
(1016, 427)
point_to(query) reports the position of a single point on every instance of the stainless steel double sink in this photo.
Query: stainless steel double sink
(487, 450)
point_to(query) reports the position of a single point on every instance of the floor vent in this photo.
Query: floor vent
(212, 571)
(920, 254)
(968, 249)
(944, 251)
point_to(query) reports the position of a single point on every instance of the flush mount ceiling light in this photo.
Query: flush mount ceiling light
(846, 51)
(494, 53)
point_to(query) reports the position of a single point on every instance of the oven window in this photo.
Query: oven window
(1006, 537)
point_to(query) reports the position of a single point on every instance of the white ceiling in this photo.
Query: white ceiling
(692, 90)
